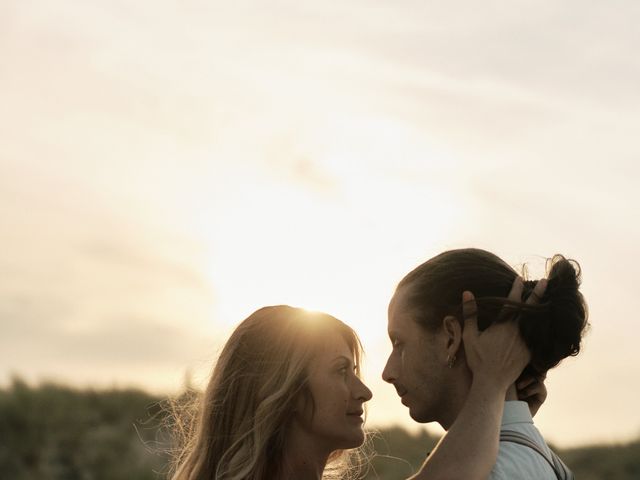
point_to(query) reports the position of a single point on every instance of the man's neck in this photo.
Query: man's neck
(456, 398)
(459, 397)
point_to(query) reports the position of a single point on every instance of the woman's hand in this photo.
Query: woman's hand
(532, 390)
(497, 355)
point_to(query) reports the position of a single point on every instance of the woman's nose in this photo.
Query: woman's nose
(362, 392)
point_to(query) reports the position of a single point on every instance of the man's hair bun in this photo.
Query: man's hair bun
(555, 329)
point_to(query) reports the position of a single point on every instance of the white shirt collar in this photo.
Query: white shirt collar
(516, 412)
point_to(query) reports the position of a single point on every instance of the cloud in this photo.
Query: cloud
(116, 253)
(39, 343)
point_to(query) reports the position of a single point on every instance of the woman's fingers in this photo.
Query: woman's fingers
(534, 393)
(470, 315)
(538, 292)
(527, 379)
(522, 384)
(515, 294)
(497, 354)
(499, 350)
(531, 390)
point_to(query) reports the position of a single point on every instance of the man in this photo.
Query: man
(427, 365)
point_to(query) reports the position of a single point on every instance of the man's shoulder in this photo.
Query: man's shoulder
(520, 462)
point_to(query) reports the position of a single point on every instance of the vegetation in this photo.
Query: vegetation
(398, 453)
(53, 432)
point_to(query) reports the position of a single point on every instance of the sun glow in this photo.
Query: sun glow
(310, 223)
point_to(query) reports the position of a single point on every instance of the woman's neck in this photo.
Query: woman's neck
(302, 468)
(304, 459)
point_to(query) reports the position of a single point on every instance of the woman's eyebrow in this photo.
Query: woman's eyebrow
(343, 358)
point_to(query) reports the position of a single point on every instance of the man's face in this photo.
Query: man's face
(417, 365)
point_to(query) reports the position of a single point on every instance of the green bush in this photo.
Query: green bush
(54, 432)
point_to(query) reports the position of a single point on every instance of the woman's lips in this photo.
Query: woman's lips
(356, 415)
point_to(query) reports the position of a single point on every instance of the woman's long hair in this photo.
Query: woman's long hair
(239, 428)
(552, 328)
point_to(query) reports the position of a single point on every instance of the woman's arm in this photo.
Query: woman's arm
(470, 447)
(496, 357)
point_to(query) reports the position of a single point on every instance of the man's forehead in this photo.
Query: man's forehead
(400, 322)
(398, 301)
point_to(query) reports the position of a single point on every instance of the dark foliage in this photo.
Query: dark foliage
(54, 432)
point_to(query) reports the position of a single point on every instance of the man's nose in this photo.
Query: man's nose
(389, 372)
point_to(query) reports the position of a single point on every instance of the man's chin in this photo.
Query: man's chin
(419, 416)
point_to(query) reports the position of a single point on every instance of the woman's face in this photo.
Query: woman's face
(338, 397)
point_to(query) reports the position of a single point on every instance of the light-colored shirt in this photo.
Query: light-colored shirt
(519, 462)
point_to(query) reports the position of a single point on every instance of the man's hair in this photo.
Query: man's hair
(552, 328)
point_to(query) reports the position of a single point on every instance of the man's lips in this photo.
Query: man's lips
(401, 391)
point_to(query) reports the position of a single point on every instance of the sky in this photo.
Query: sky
(168, 167)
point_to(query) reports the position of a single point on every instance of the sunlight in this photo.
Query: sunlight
(356, 145)
(315, 248)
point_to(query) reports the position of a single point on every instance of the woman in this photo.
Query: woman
(431, 370)
(285, 401)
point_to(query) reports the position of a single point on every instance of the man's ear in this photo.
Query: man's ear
(453, 330)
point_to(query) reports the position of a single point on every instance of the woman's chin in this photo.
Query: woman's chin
(355, 440)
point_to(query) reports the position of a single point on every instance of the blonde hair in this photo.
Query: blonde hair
(238, 430)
